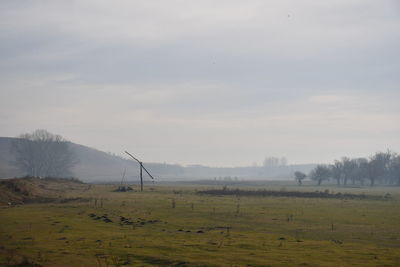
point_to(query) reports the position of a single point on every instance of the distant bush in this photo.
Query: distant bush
(123, 189)
(265, 193)
(64, 179)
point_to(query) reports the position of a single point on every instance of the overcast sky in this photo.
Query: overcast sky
(220, 83)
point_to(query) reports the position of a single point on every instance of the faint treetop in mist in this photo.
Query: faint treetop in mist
(274, 162)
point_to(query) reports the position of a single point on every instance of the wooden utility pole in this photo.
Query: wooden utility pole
(141, 171)
(141, 176)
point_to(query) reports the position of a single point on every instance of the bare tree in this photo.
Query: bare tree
(337, 171)
(299, 177)
(360, 171)
(378, 166)
(320, 173)
(349, 167)
(43, 154)
(395, 170)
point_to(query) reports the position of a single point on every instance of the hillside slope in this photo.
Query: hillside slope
(97, 166)
(7, 169)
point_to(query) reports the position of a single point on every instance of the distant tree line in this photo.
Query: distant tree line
(382, 168)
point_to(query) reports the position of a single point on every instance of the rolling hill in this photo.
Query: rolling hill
(98, 166)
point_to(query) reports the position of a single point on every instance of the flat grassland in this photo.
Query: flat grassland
(173, 225)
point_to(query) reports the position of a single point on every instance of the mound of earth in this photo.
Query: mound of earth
(33, 190)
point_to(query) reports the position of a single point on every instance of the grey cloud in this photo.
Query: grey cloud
(241, 76)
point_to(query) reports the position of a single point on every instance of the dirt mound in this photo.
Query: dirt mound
(30, 189)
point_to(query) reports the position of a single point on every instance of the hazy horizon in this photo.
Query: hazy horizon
(220, 84)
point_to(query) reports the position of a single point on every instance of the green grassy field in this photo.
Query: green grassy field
(174, 226)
